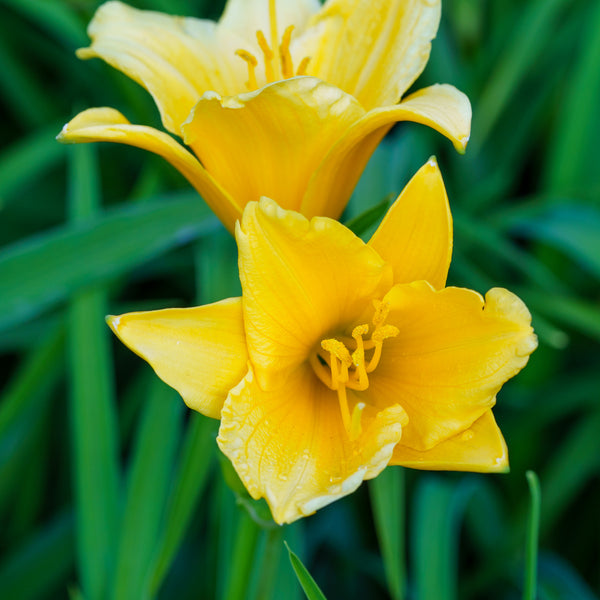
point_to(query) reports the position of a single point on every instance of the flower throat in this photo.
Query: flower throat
(276, 67)
(339, 369)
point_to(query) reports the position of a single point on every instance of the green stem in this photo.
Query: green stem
(243, 558)
(530, 588)
(270, 563)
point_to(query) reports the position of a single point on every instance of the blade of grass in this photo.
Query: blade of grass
(112, 245)
(148, 484)
(269, 564)
(24, 410)
(572, 228)
(438, 510)
(41, 563)
(573, 464)
(93, 419)
(539, 16)
(560, 581)
(387, 501)
(581, 315)
(531, 552)
(242, 558)
(53, 16)
(28, 160)
(309, 585)
(17, 83)
(191, 479)
(572, 139)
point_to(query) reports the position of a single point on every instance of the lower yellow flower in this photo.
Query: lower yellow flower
(343, 357)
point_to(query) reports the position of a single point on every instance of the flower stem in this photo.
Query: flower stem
(531, 554)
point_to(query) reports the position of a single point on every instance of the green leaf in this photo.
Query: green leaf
(54, 16)
(242, 559)
(560, 581)
(574, 229)
(309, 585)
(191, 478)
(363, 222)
(93, 417)
(59, 263)
(438, 510)
(573, 463)
(387, 500)
(41, 563)
(28, 160)
(24, 407)
(522, 50)
(148, 486)
(572, 161)
(579, 314)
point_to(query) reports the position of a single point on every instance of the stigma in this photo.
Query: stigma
(346, 363)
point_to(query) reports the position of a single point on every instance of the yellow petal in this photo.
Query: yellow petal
(109, 125)
(372, 49)
(442, 107)
(451, 356)
(175, 58)
(270, 142)
(301, 281)
(201, 351)
(289, 445)
(415, 236)
(246, 17)
(481, 448)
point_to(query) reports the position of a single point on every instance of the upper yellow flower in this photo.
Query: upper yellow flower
(280, 98)
(343, 357)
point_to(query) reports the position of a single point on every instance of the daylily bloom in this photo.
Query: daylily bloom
(343, 357)
(281, 98)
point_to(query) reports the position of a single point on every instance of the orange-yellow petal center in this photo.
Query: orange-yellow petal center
(346, 363)
(277, 59)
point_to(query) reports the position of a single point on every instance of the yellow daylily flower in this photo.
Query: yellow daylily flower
(281, 98)
(343, 357)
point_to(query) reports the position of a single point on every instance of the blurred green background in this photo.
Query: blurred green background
(110, 488)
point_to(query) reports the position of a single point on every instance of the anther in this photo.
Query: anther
(303, 66)
(252, 63)
(268, 54)
(287, 66)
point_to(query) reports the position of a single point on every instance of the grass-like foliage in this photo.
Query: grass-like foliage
(111, 489)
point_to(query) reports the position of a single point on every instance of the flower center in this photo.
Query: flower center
(276, 67)
(347, 362)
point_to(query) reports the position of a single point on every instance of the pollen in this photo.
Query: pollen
(346, 363)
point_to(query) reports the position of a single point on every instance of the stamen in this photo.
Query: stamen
(251, 62)
(303, 66)
(358, 358)
(268, 54)
(287, 65)
(321, 371)
(349, 371)
(380, 334)
(343, 401)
